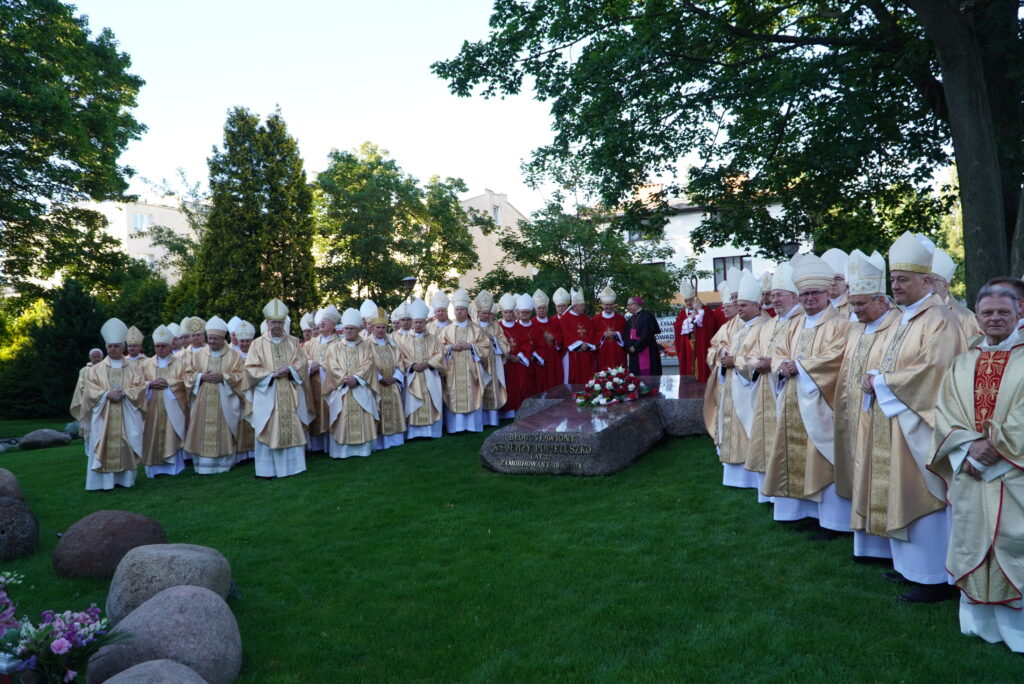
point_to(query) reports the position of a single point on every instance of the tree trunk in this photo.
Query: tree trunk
(974, 140)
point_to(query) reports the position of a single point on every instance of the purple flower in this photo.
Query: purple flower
(70, 675)
(28, 665)
(60, 646)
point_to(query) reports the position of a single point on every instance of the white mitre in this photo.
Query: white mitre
(524, 303)
(114, 331)
(943, 266)
(351, 317)
(418, 309)
(162, 335)
(275, 310)
(507, 302)
(540, 299)
(607, 295)
(750, 288)
(812, 273)
(576, 297)
(561, 297)
(216, 324)
(439, 300)
(836, 259)
(460, 298)
(245, 331)
(909, 253)
(782, 279)
(865, 274)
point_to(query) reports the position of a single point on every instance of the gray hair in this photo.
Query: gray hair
(996, 291)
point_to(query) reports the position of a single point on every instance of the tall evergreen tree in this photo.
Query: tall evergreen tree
(259, 230)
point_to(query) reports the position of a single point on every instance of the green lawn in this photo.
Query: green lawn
(418, 565)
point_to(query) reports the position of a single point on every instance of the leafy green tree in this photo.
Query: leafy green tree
(66, 100)
(500, 280)
(588, 250)
(839, 112)
(139, 300)
(45, 348)
(258, 236)
(377, 226)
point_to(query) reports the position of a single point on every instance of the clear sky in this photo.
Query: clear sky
(341, 72)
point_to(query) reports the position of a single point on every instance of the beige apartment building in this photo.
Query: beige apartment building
(128, 221)
(495, 205)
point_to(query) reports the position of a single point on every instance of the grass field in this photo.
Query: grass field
(417, 565)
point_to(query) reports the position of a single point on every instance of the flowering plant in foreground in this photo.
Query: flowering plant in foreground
(612, 386)
(59, 647)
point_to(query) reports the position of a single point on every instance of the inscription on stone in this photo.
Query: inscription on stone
(534, 450)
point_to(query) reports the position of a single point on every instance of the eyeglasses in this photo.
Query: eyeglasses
(812, 293)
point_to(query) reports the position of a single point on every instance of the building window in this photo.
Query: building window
(141, 222)
(723, 264)
(496, 213)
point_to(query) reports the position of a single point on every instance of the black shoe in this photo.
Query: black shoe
(871, 560)
(824, 535)
(896, 578)
(929, 593)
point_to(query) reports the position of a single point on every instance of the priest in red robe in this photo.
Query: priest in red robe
(549, 344)
(578, 339)
(694, 327)
(519, 374)
(608, 327)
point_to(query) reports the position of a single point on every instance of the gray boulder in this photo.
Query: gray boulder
(19, 531)
(9, 485)
(157, 672)
(3, 448)
(147, 570)
(190, 625)
(94, 545)
(44, 439)
(73, 429)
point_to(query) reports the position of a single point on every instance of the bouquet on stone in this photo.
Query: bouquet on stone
(612, 386)
(59, 648)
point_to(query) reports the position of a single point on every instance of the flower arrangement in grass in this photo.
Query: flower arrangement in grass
(58, 649)
(612, 386)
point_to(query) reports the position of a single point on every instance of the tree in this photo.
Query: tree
(377, 226)
(45, 348)
(65, 117)
(258, 236)
(587, 250)
(833, 110)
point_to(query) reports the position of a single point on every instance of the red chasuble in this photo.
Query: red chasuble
(988, 375)
(551, 374)
(692, 348)
(519, 378)
(578, 328)
(611, 352)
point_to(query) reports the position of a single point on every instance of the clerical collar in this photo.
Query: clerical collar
(789, 314)
(1007, 344)
(463, 324)
(572, 312)
(136, 357)
(236, 347)
(196, 349)
(117, 363)
(325, 340)
(441, 324)
(835, 302)
(380, 340)
(527, 324)
(811, 321)
(217, 354)
(605, 314)
(163, 362)
(416, 334)
(351, 344)
(276, 340)
(508, 324)
(540, 320)
(871, 327)
(911, 309)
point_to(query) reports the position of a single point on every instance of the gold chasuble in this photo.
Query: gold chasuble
(215, 408)
(800, 463)
(464, 382)
(892, 487)
(852, 425)
(423, 392)
(316, 349)
(495, 394)
(386, 362)
(115, 428)
(280, 406)
(166, 410)
(76, 403)
(739, 395)
(762, 433)
(982, 397)
(353, 409)
(715, 388)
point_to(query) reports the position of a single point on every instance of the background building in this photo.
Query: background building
(128, 221)
(495, 205)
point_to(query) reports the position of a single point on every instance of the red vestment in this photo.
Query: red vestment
(551, 374)
(519, 377)
(578, 340)
(692, 348)
(611, 352)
